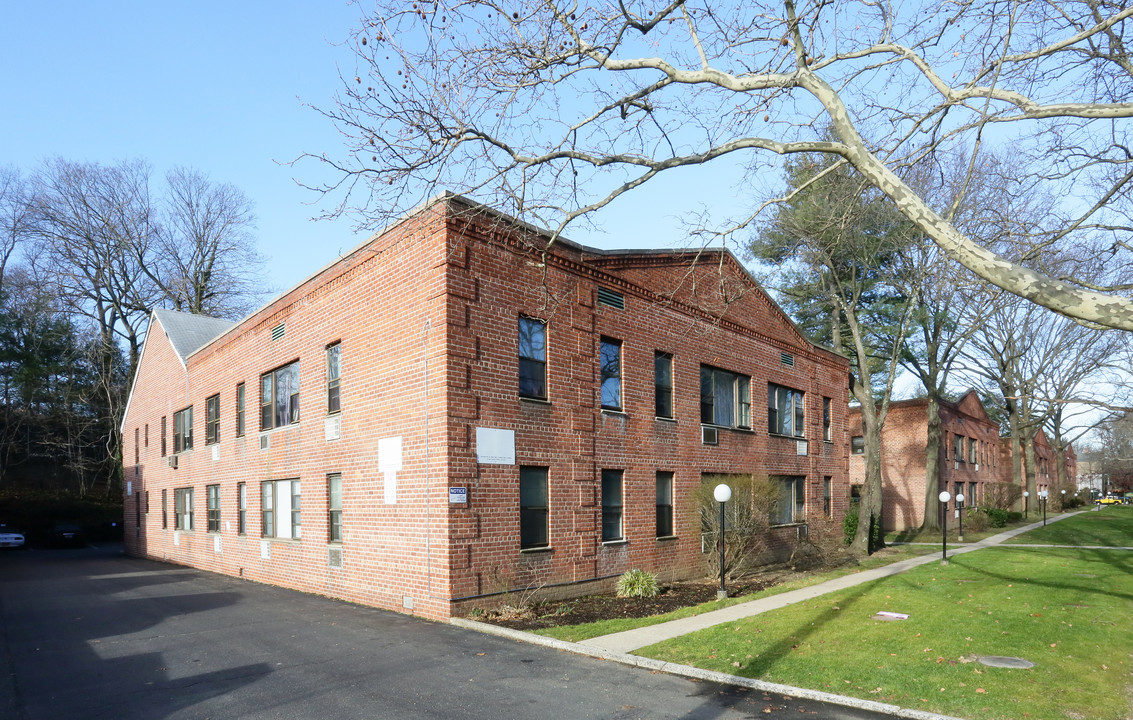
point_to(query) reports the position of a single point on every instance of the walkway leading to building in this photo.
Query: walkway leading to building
(630, 640)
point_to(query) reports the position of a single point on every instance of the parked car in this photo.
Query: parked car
(11, 537)
(67, 535)
(1109, 500)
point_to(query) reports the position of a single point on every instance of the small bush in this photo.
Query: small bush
(1014, 517)
(637, 583)
(976, 520)
(1072, 501)
(997, 517)
(850, 524)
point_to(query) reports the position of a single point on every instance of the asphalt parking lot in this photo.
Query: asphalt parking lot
(90, 633)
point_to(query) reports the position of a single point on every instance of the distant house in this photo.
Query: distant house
(969, 456)
(458, 409)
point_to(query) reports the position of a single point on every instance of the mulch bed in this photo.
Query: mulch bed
(544, 614)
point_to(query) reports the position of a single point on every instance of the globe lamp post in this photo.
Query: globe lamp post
(960, 514)
(722, 493)
(944, 497)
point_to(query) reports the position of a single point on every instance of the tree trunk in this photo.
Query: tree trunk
(869, 511)
(932, 467)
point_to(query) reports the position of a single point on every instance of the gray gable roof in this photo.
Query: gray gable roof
(187, 332)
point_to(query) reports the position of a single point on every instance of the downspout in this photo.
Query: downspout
(428, 515)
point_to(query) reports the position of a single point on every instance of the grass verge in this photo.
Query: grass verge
(585, 631)
(1111, 526)
(1064, 609)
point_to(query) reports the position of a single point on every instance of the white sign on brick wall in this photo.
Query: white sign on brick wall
(495, 446)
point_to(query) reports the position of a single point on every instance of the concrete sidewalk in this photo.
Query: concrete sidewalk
(630, 640)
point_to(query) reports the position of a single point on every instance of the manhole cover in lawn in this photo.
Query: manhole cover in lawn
(1006, 662)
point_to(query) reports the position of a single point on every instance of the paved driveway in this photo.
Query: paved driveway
(91, 633)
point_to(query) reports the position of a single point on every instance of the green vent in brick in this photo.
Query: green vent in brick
(788, 359)
(611, 298)
(277, 332)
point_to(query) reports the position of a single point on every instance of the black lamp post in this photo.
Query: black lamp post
(722, 493)
(1042, 499)
(960, 514)
(944, 497)
(1026, 497)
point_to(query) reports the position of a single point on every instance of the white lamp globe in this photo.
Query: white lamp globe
(959, 497)
(722, 493)
(1063, 492)
(1026, 494)
(944, 496)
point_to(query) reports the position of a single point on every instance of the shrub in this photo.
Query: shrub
(1001, 495)
(850, 524)
(997, 516)
(1014, 517)
(977, 520)
(637, 583)
(850, 528)
(1072, 501)
(748, 517)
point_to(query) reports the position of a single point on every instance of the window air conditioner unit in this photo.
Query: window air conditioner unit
(709, 435)
(265, 442)
(171, 461)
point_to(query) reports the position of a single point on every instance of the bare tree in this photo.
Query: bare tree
(15, 216)
(551, 110)
(96, 227)
(206, 261)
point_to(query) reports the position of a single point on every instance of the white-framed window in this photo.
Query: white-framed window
(857, 445)
(791, 507)
(532, 358)
(279, 507)
(664, 504)
(334, 378)
(533, 510)
(611, 372)
(183, 508)
(785, 413)
(826, 434)
(334, 507)
(242, 508)
(279, 397)
(239, 409)
(183, 430)
(663, 384)
(212, 498)
(212, 420)
(612, 505)
(725, 398)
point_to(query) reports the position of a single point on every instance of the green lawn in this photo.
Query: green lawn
(1066, 610)
(1111, 526)
(970, 535)
(585, 631)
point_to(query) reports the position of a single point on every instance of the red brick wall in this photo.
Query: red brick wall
(903, 440)
(471, 279)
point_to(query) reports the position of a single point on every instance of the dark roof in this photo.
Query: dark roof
(187, 332)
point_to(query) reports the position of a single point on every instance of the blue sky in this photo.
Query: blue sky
(221, 87)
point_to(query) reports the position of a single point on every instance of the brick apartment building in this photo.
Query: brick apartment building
(479, 413)
(969, 456)
(1046, 465)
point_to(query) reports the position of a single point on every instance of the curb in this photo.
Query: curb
(697, 673)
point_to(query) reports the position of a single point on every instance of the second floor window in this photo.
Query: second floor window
(212, 420)
(663, 383)
(212, 496)
(826, 419)
(334, 378)
(785, 411)
(611, 367)
(240, 410)
(279, 397)
(958, 449)
(183, 430)
(857, 445)
(725, 398)
(972, 458)
(532, 358)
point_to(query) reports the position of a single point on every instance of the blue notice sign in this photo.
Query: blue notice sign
(458, 495)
